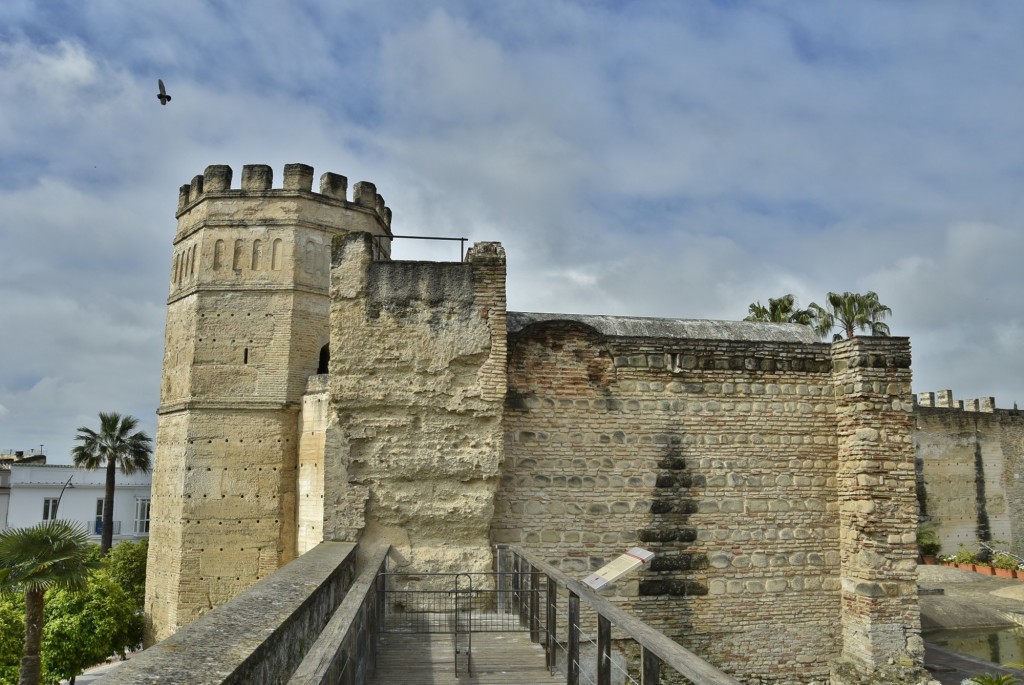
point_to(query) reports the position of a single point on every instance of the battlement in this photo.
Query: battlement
(943, 399)
(258, 180)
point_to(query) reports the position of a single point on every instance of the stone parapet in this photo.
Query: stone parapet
(259, 636)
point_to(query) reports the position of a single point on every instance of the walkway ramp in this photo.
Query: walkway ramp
(426, 659)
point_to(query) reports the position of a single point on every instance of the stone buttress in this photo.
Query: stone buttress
(880, 614)
(247, 325)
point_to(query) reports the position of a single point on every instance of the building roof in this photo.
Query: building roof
(693, 329)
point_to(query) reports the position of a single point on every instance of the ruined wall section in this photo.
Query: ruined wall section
(881, 642)
(717, 454)
(417, 385)
(970, 464)
(247, 316)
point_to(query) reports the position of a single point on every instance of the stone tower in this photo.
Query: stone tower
(247, 325)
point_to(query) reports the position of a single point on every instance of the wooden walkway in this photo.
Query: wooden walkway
(428, 659)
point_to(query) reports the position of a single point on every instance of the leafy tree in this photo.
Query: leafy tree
(12, 637)
(84, 628)
(126, 565)
(780, 310)
(115, 447)
(851, 312)
(52, 554)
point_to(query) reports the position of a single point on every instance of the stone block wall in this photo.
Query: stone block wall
(719, 455)
(417, 384)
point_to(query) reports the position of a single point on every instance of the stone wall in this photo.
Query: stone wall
(417, 381)
(881, 640)
(970, 460)
(711, 444)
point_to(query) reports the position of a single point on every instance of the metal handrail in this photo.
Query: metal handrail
(378, 249)
(657, 648)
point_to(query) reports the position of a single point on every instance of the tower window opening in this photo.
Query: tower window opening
(325, 358)
(245, 356)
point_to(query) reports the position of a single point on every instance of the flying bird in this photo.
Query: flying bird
(162, 96)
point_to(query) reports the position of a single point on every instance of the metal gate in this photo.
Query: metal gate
(459, 604)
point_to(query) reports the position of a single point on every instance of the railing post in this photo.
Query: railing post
(549, 625)
(534, 605)
(651, 668)
(516, 582)
(604, 651)
(502, 552)
(572, 659)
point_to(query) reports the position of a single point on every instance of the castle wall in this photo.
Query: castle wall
(417, 379)
(718, 455)
(247, 316)
(970, 460)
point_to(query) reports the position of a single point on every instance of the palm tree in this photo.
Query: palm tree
(115, 447)
(52, 554)
(851, 312)
(780, 310)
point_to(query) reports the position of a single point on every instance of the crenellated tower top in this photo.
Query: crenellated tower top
(258, 181)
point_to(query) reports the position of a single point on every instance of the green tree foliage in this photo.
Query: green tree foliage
(780, 310)
(84, 628)
(117, 446)
(126, 565)
(851, 312)
(12, 637)
(49, 555)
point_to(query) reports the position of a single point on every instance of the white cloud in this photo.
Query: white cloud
(673, 160)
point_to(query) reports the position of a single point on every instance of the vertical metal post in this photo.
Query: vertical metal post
(501, 551)
(604, 651)
(516, 585)
(534, 605)
(549, 625)
(572, 659)
(651, 668)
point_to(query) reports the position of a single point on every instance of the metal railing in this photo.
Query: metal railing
(459, 604)
(561, 633)
(378, 244)
(95, 526)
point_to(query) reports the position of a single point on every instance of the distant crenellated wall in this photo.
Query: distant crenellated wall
(970, 460)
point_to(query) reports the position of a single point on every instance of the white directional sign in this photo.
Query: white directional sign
(612, 571)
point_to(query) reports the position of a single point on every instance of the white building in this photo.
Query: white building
(40, 492)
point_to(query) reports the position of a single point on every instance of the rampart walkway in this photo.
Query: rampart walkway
(498, 659)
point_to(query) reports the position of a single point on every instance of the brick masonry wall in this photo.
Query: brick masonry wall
(718, 456)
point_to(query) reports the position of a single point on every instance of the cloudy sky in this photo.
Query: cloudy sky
(677, 159)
